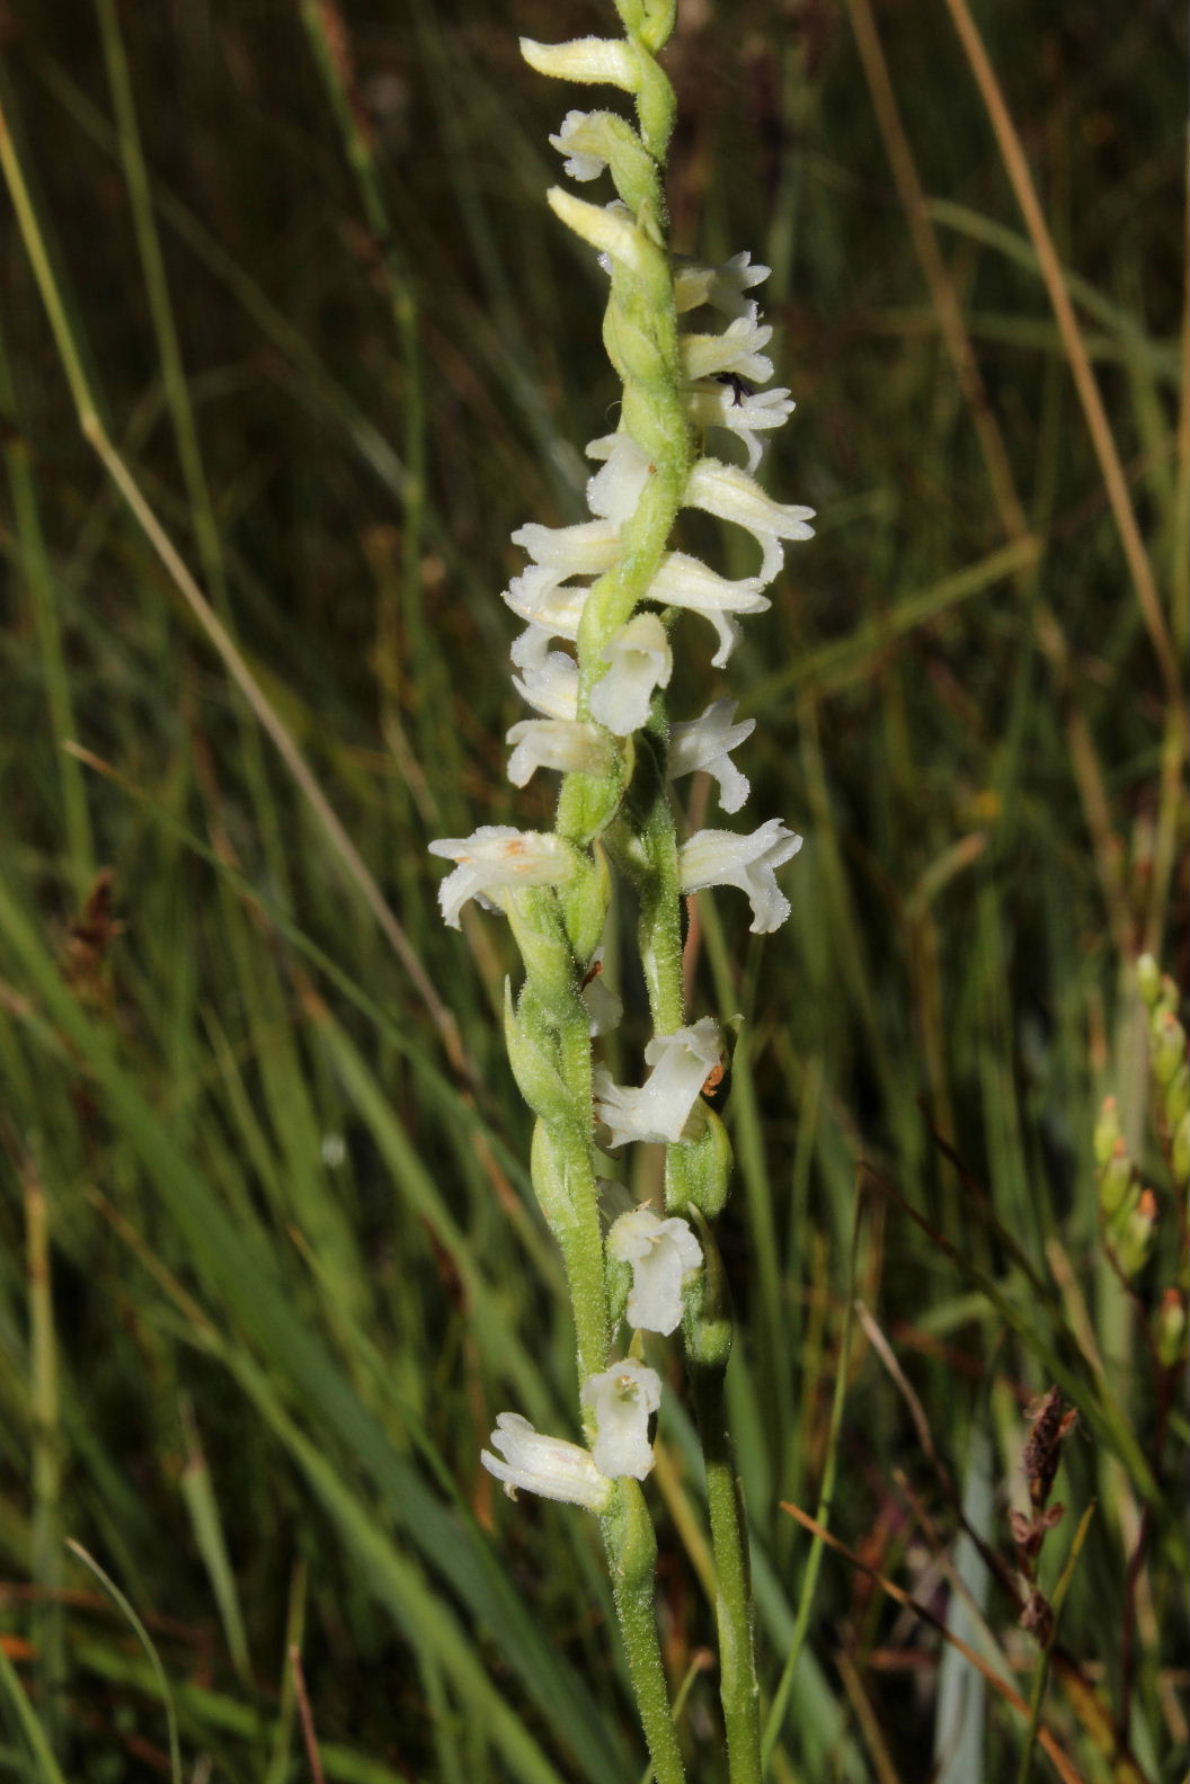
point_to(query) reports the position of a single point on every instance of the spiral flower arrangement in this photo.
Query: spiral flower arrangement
(594, 664)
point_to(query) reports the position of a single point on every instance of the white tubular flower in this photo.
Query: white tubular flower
(727, 402)
(616, 490)
(603, 1005)
(581, 141)
(722, 287)
(622, 1398)
(584, 550)
(664, 1254)
(535, 597)
(683, 581)
(659, 1109)
(564, 744)
(548, 1466)
(736, 350)
(721, 858)
(610, 227)
(729, 493)
(598, 61)
(641, 660)
(498, 860)
(706, 742)
(549, 679)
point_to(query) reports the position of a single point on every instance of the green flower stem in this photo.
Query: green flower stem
(641, 335)
(554, 1067)
(653, 860)
(631, 1546)
(709, 1335)
(631, 804)
(564, 1184)
(655, 870)
(738, 1690)
(641, 330)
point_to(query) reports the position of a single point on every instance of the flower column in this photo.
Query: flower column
(612, 589)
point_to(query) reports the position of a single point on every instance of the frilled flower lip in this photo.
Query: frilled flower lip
(685, 581)
(723, 858)
(731, 494)
(497, 860)
(664, 1254)
(580, 143)
(622, 1399)
(706, 742)
(722, 287)
(728, 403)
(548, 1466)
(736, 350)
(659, 1109)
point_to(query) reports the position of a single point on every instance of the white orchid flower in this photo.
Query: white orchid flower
(622, 1399)
(721, 858)
(664, 1255)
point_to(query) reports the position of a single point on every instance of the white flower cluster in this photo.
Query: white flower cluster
(577, 727)
(722, 371)
(664, 1255)
(621, 1401)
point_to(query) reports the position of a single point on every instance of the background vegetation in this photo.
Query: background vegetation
(269, 1265)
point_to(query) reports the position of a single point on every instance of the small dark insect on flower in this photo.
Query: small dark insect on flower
(740, 387)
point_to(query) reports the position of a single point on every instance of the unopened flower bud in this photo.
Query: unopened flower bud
(598, 61)
(1168, 1046)
(534, 1063)
(1134, 1242)
(1181, 1151)
(1107, 1131)
(609, 228)
(1148, 979)
(1177, 1095)
(706, 1166)
(1168, 998)
(1115, 1181)
(585, 904)
(1169, 1329)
